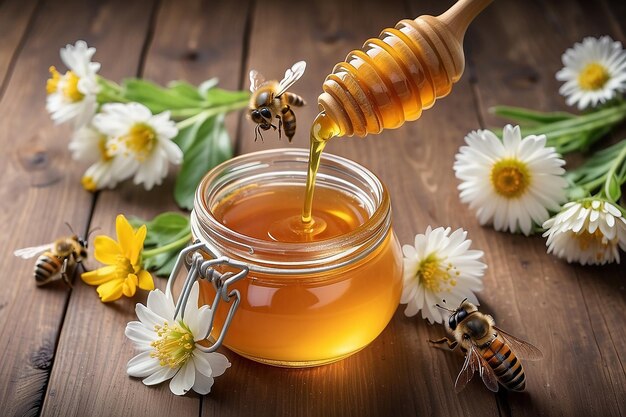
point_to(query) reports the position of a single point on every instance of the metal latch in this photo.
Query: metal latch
(201, 268)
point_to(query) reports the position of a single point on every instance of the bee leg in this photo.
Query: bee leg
(64, 275)
(451, 344)
(280, 124)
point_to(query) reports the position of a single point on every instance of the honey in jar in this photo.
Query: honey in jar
(309, 297)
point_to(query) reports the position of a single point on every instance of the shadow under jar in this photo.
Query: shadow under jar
(314, 299)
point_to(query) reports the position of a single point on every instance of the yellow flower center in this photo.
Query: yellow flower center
(70, 89)
(510, 178)
(70, 85)
(123, 267)
(174, 346)
(587, 240)
(593, 77)
(433, 277)
(140, 139)
(89, 184)
(104, 152)
(53, 81)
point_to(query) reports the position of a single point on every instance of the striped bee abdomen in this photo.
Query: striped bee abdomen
(47, 265)
(505, 364)
(289, 122)
(294, 99)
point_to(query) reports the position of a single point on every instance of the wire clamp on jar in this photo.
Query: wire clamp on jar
(201, 268)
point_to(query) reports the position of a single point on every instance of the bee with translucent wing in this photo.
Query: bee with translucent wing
(490, 351)
(56, 259)
(270, 100)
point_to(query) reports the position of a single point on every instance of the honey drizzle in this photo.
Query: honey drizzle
(322, 131)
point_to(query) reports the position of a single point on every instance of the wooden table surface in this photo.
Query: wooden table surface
(64, 353)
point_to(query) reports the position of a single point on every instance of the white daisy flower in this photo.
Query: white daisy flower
(142, 141)
(440, 266)
(169, 348)
(589, 231)
(512, 182)
(89, 145)
(594, 72)
(73, 95)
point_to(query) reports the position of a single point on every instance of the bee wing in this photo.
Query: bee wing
(466, 373)
(520, 347)
(474, 362)
(256, 79)
(26, 253)
(292, 75)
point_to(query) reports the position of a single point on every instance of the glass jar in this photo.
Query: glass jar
(302, 304)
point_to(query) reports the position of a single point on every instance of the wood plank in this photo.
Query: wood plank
(40, 192)
(15, 16)
(573, 312)
(398, 374)
(194, 51)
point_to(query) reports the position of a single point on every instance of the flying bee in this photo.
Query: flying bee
(270, 100)
(56, 260)
(488, 349)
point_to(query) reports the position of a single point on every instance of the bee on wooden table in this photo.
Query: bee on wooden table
(56, 260)
(270, 100)
(488, 349)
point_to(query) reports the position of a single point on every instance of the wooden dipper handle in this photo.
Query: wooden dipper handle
(400, 73)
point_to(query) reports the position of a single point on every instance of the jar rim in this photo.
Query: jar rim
(264, 255)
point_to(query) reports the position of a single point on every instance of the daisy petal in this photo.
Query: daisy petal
(202, 384)
(143, 365)
(184, 379)
(159, 376)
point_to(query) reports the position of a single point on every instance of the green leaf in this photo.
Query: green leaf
(185, 89)
(165, 228)
(576, 193)
(168, 233)
(159, 99)
(567, 133)
(612, 189)
(205, 144)
(218, 97)
(166, 267)
(521, 115)
(592, 174)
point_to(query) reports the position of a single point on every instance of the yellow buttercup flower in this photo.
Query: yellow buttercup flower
(123, 272)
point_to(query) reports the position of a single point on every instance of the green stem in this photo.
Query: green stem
(111, 85)
(522, 114)
(185, 113)
(592, 185)
(110, 92)
(191, 120)
(586, 125)
(614, 166)
(166, 248)
(106, 97)
(211, 111)
(584, 122)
